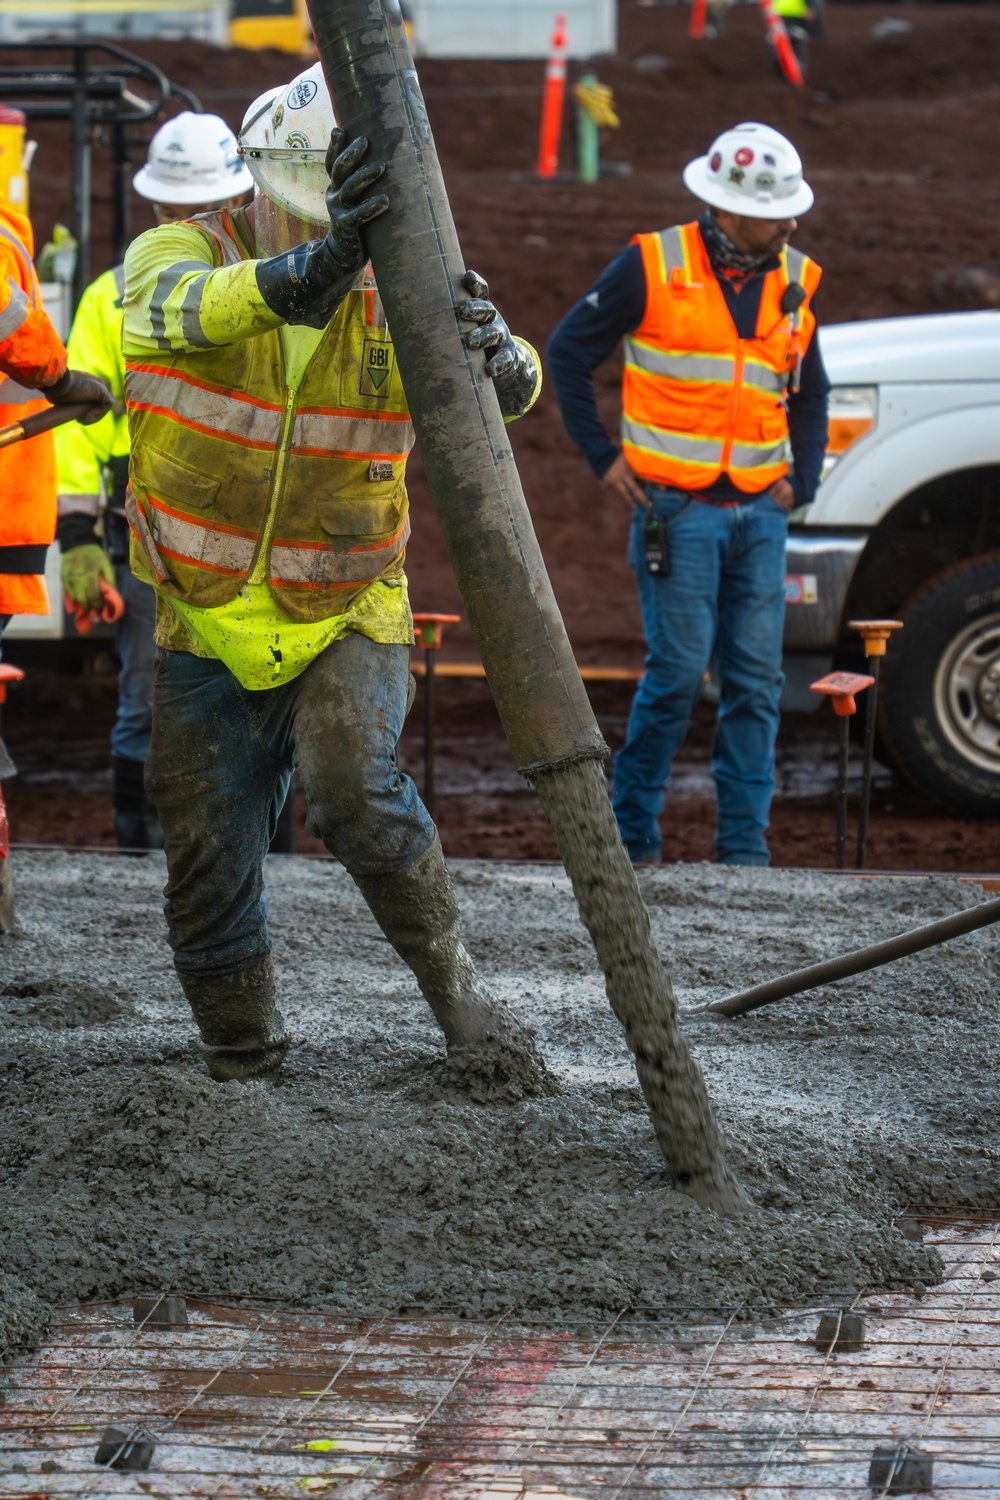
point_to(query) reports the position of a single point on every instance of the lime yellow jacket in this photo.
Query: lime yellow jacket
(95, 345)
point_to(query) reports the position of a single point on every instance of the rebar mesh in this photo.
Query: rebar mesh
(265, 1399)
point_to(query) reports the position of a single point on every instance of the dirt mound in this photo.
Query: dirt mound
(36, 1003)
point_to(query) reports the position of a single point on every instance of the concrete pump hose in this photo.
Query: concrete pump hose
(499, 568)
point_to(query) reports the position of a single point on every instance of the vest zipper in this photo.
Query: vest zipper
(727, 447)
(260, 566)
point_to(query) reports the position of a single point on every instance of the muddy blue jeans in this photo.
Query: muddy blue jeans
(723, 596)
(136, 651)
(218, 770)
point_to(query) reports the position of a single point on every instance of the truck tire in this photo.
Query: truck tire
(940, 710)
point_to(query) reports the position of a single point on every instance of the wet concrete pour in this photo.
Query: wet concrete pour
(366, 1184)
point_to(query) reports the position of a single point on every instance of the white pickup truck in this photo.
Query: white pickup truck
(906, 525)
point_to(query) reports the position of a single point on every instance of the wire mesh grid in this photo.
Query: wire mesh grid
(255, 1399)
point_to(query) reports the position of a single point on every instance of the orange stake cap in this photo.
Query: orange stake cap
(840, 688)
(430, 628)
(875, 633)
(8, 674)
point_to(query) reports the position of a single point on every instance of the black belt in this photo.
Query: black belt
(27, 559)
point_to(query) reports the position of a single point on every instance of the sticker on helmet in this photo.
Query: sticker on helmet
(765, 179)
(376, 367)
(769, 160)
(297, 140)
(278, 116)
(302, 94)
(736, 174)
(744, 156)
(715, 161)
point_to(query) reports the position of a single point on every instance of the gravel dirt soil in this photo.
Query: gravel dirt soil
(366, 1180)
(892, 136)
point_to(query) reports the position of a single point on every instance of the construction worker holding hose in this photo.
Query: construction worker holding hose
(268, 509)
(192, 166)
(722, 376)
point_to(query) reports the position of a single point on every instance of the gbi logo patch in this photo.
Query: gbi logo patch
(376, 367)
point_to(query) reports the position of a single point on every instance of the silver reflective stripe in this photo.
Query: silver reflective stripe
(166, 283)
(672, 248)
(677, 364)
(672, 444)
(119, 275)
(86, 505)
(294, 564)
(201, 545)
(225, 416)
(191, 314)
(27, 265)
(757, 456)
(340, 433)
(12, 394)
(15, 312)
(764, 377)
(795, 264)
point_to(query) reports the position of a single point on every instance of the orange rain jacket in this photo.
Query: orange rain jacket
(31, 355)
(697, 400)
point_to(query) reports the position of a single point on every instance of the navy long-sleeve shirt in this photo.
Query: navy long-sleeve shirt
(615, 306)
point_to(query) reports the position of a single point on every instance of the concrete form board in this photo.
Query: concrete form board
(265, 1400)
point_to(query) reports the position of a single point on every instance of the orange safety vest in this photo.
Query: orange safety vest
(697, 400)
(31, 354)
(219, 444)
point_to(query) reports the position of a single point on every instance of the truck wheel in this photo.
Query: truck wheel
(940, 711)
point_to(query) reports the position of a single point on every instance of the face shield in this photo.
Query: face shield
(283, 142)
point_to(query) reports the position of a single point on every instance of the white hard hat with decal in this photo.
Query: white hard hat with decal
(192, 159)
(284, 140)
(751, 170)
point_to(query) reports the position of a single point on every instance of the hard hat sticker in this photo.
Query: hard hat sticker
(302, 94)
(744, 156)
(376, 367)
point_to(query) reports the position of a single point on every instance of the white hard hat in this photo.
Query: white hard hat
(284, 139)
(751, 170)
(192, 159)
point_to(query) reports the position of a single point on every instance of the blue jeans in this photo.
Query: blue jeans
(136, 651)
(218, 771)
(724, 594)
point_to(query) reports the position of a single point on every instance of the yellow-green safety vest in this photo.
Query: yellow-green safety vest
(220, 447)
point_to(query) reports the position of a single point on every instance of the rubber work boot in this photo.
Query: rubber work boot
(417, 909)
(242, 1034)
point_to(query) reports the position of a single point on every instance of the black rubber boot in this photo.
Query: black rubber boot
(417, 909)
(242, 1034)
(137, 827)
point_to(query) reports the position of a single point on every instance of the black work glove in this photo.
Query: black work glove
(309, 282)
(77, 388)
(508, 364)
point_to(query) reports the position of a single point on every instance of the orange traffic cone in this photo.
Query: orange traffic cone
(778, 37)
(552, 105)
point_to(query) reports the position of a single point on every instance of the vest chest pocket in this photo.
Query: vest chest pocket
(169, 478)
(774, 426)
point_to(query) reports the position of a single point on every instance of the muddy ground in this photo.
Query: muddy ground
(365, 1181)
(58, 728)
(907, 177)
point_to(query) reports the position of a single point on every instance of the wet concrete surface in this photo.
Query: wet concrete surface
(366, 1181)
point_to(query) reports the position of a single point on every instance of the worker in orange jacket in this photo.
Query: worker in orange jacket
(33, 376)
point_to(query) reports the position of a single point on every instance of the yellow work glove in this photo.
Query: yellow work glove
(82, 571)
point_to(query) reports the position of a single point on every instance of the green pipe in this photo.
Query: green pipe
(588, 152)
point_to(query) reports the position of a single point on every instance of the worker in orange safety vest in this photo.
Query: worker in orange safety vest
(724, 424)
(33, 376)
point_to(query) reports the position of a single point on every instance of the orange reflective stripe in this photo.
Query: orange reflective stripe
(203, 407)
(339, 432)
(200, 543)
